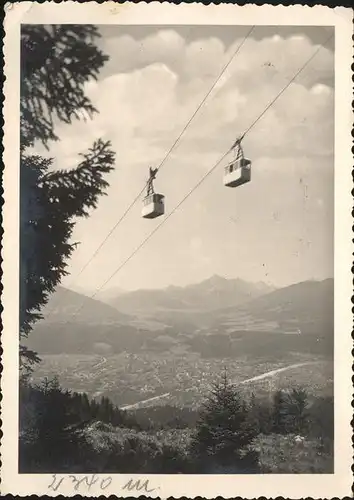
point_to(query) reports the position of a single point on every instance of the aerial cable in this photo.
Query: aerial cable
(204, 177)
(135, 200)
(207, 95)
(95, 253)
(152, 233)
(165, 158)
(284, 89)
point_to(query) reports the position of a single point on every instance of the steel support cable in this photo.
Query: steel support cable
(158, 227)
(208, 94)
(283, 90)
(166, 156)
(206, 175)
(128, 209)
(151, 234)
(289, 83)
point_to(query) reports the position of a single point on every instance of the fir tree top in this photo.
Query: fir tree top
(56, 62)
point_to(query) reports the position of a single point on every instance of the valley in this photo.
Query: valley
(169, 354)
(129, 378)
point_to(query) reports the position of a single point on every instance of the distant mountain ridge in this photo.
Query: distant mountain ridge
(211, 294)
(307, 305)
(255, 326)
(65, 304)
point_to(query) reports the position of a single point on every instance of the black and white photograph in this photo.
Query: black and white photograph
(176, 251)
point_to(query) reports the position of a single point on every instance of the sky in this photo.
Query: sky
(279, 227)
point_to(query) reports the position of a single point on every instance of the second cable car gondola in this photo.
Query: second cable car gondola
(153, 203)
(238, 170)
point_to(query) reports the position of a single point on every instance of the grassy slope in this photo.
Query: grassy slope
(284, 455)
(278, 454)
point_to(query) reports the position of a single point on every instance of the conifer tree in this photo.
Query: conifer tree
(280, 412)
(47, 441)
(56, 62)
(224, 433)
(297, 414)
(254, 417)
(85, 405)
(321, 418)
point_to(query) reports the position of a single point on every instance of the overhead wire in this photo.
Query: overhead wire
(289, 83)
(151, 234)
(120, 267)
(95, 253)
(131, 205)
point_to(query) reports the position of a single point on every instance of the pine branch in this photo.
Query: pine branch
(77, 190)
(28, 357)
(50, 202)
(56, 62)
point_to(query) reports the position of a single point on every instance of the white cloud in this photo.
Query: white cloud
(127, 54)
(262, 62)
(145, 109)
(154, 87)
(203, 58)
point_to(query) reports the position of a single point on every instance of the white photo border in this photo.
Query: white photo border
(164, 486)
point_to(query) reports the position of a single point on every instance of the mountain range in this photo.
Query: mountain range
(303, 306)
(156, 308)
(210, 294)
(66, 305)
(195, 316)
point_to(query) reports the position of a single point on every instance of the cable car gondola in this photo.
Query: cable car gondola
(153, 203)
(238, 170)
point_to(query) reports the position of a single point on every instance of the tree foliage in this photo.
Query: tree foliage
(46, 415)
(50, 202)
(95, 435)
(51, 420)
(279, 412)
(290, 411)
(297, 406)
(56, 62)
(224, 432)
